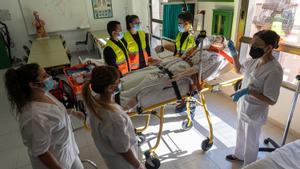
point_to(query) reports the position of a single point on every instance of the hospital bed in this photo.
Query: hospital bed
(286, 157)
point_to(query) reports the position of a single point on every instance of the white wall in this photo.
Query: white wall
(19, 34)
(141, 9)
(16, 26)
(279, 112)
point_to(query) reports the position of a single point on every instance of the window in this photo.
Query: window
(280, 16)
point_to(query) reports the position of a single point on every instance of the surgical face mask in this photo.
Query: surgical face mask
(49, 84)
(137, 27)
(256, 53)
(121, 35)
(181, 28)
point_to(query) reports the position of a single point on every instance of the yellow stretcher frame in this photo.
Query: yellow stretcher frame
(206, 144)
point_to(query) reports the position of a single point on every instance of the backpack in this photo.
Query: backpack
(64, 93)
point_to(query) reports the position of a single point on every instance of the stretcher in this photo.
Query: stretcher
(173, 86)
(173, 89)
(151, 160)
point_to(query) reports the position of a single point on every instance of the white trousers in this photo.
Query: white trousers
(247, 141)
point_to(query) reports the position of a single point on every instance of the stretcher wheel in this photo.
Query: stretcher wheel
(185, 125)
(141, 138)
(152, 163)
(206, 145)
(266, 141)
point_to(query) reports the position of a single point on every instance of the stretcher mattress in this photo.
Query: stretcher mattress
(151, 86)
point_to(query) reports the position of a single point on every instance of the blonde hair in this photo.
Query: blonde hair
(101, 78)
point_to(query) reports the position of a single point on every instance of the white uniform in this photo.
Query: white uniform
(47, 127)
(113, 135)
(253, 112)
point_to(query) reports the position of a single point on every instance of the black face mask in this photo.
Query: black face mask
(256, 53)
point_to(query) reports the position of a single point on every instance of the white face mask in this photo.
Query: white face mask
(118, 90)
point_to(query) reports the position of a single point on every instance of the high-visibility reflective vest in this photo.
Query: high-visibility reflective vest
(121, 60)
(188, 43)
(133, 49)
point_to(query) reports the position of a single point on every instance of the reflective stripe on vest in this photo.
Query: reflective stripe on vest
(133, 49)
(120, 56)
(188, 43)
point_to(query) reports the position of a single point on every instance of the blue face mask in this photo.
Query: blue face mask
(49, 84)
(181, 28)
(121, 35)
(137, 27)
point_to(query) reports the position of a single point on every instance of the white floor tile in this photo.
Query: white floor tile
(10, 141)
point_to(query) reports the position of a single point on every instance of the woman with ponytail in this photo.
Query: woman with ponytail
(44, 122)
(112, 129)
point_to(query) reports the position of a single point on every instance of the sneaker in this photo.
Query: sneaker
(232, 157)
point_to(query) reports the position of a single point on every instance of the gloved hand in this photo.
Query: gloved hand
(232, 49)
(237, 95)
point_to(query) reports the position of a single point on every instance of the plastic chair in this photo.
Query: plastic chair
(27, 50)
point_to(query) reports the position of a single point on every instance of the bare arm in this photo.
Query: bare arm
(261, 97)
(190, 53)
(131, 159)
(49, 160)
(235, 55)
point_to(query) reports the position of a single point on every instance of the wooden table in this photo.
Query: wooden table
(48, 53)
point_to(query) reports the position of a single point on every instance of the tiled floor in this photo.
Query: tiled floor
(178, 149)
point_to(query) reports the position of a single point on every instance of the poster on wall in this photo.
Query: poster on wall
(102, 9)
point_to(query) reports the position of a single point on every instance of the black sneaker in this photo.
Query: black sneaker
(232, 157)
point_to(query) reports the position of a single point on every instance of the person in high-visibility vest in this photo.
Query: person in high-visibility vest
(115, 51)
(185, 39)
(185, 42)
(137, 43)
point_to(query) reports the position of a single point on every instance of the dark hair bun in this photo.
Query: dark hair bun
(269, 37)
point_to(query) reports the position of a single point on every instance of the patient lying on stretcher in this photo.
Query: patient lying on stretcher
(214, 57)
